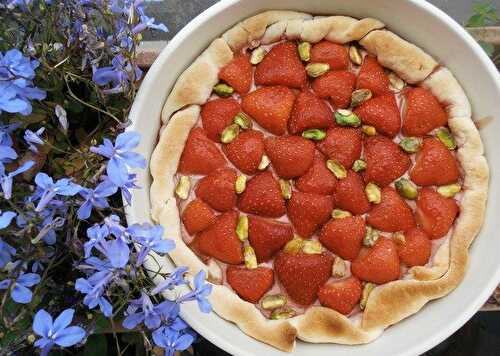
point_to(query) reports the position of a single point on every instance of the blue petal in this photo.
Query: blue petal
(132, 320)
(127, 140)
(183, 342)
(69, 336)
(152, 321)
(159, 338)
(84, 210)
(43, 180)
(204, 305)
(6, 218)
(21, 294)
(63, 320)
(117, 172)
(106, 307)
(133, 159)
(5, 284)
(28, 279)
(163, 246)
(42, 323)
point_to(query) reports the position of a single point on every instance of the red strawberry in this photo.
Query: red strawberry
(342, 295)
(291, 156)
(385, 160)
(372, 76)
(334, 54)
(309, 112)
(217, 114)
(318, 179)
(220, 240)
(342, 144)
(308, 211)
(197, 216)
(392, 214)
(200, 155)
(238, 74)
(435, 214)
(267, 236)
(379, 264)
(262, 196)
(250, 284)
(302, 275)
(337, 86)
(218, 189)
(423, 112)
(270, 107)
(350, 194)
(434, 165)
(344, 236)
(381, 112)
(281, 66)
(246, 151)
(416, 249)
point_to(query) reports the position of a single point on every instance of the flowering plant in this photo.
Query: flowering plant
(68, 75)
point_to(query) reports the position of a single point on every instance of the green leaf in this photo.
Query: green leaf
(101, 323)
(475, 21)
(488, 48)
(96, 345)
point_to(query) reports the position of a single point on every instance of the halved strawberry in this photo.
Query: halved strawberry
(270, 107)
(238, 74)
(416, 249)
(218, 189)
(200, 155)
(281, 66)
(435, 214)
(332, 53)
(197, 216)
(379, 264)
(434, 165)
(262, 196)
(302, 275)
(246, 151)
(342, 295)
(392, 214)
(350, 194)
(267, 236)
(372, 76)
(220, 240)
(423, 112)
(309, 112)
(385, 160)
(308, 211)
(250, 284)
(318, 179)
(381, 112)
(342, 144)
(337, 86)
(217, 114)
(344, 237)
(291, 156)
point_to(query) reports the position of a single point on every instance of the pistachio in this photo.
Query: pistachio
(450, 190)
(294, 246)
(314, 134)
(31, 338)
(304, 50)
(359, 96)
(359, 165)
(369, 130)
(396, 83)
(182, 188)
(347, 118)
(240, 184)
(229, 133)
(355, 55)
(286, 188)
(444, 135)
(257, 55)
(399, 238)
(242, 228)
(336, 168)
(264, 162)
(410, 144)
(339, 268)
(371, 236)
(250, 257)
(284, 313)
(312, 247)
(273, 301)
(317, 69)
(406, 188)
(222, 89)
(373, 193)
(367, 289)
(243, 121)
(340, 214)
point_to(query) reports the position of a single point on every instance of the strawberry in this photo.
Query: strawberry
(334, 54)
(381, 112)
(344, 236)
(342, 144)
(238, 74)
(379, 264)
(342, 295)
(302, 275)
(372, 76)
(218, 189)
(217, 114)
(270, 107)
(200, 155)
(392, 214)
(385, 160)
(434, 165)
(416, 250)
(262, 196)
(308, 211)
(291, 156)
(197, 216)
(281, 66)
(337, 86)
(309, 112)
(267, 236)
(246, 151)
(318, 179)
(220, 240)
(250, 284)
(435, 214)
(423, 112)
(350, 194)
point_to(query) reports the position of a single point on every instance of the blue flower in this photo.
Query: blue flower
(115, 227)
(94, 288)
(20, 292)
(172, 340)
(5, 218)
(6, 253)
(119, 74)
(200, 293)
(150, 237)
(56, 332)
(142, 310)
(14, 65)
(33, 138)
(97, 235)
(6, 178)
(129, 184)
(96, 197)
(117, 253)
(148, 22)
(175, 278)
(49, 189)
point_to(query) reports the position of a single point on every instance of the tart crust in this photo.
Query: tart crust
(388, 303)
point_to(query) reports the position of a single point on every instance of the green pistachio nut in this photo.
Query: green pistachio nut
(340, 214)
(283, 313)
(371, 236)
(273, 301)
(264, 163)
(257, 55)
(240, 184)
(355, 55)
(369, 130)
(359, 165)
(373, 193)
(359, 96)
(444, 135)
(286, 188)
(223, 90)
(250, 257)
(230, 133)
(242, 227)
(317, 69)
(336, 168)
(183, 187)
(450, 190)
(304, 50)
(314, 134)
(243, 121)
(411, 144)
(347, 118)
(406, 188)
